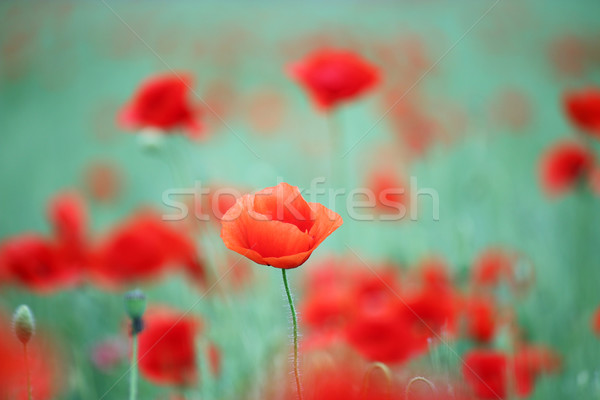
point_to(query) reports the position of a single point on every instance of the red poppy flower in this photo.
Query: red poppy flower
(342, 378)
(583, 109)
(480, 319)
(34, 262)
(486, 372)
(167, 352)
(334, 76)
(563, 165)
(536, 360)
(44, 365)
(569, 55)
(390, 192)
(329, 294)
(103, 181)
(492, 266)
(68, 215)
(214, 359)
(277, 227)
(143, 248)
(596, 322)
(377, 317)
(162, 103)
(384, 334)
(382, 327)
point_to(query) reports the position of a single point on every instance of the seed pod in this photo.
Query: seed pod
(23, 324)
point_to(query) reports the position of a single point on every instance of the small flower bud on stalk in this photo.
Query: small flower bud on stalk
(135, 305)
(23, 324)
(24, 327)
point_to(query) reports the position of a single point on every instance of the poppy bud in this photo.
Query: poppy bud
(135, 303)
(23, 323)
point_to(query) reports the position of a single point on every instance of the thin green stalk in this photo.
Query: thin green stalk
(295, 325)
(133, 377)
(28, 374)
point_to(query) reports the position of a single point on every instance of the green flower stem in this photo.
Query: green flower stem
(295, 325)
(27, 373)
(133, 377)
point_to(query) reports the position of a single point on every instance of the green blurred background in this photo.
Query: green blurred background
(66, 68)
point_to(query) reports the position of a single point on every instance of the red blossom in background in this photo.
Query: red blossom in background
(68, 216)
(596, 322)
(44, 264)
(583, 109)
(390, 192)
(480, 318)
(486, 371)
(511, 109)
(162, 102)
(563, 165)
(45, 366)
(142, 248)
(277, 227)
(329, 289)
(103, 181)
(376, 316)
(342, 378)
(167, 347)
(334, 76)
(35, 263)
(569, 55)
(492, 266)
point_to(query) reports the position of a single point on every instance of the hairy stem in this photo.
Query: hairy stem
(295, 328)
(133, 377)
(27, 372)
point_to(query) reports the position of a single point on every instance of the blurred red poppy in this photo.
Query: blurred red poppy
(44, 365)
(596, 322)
(277, 227)
(371, 312)
(380, 331)
(329, 293)
(67, 214)
(343, 378)
(103, 181)
(143, 248)
(167, 351)
(36, 263)
(486, 371)
(537, 359)
(334, 76)
(162, 103)
(390, 192)
(583, 109)
(480, 318)
(492, 266)
(563, 165)
(391, 324)
(214, 359)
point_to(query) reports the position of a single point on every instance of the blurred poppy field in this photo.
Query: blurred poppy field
(205, 200)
